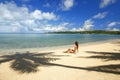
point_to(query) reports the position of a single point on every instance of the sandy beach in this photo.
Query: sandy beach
(94, 61)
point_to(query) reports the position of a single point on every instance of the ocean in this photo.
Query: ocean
(20, 41)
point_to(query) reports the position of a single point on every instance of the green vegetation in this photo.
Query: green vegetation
(87, 32)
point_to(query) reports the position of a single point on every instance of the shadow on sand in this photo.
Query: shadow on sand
(116, 42)
(112, 69)
(116, 50)
(105, 56)
(29, 62)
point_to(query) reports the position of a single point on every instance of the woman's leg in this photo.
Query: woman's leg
(69, 50)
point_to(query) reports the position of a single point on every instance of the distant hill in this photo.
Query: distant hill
(87, 32)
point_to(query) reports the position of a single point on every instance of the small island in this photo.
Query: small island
(87, 32)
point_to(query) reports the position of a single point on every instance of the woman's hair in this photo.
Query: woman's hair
(76, 43)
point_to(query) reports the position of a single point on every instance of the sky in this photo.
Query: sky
(38, 16)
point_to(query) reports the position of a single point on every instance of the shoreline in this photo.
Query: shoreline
(55, 47)
(97, 58)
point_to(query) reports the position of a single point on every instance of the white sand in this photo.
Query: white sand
(70, 66)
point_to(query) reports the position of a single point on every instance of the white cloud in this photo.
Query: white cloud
(88, 24)
(67, 4)
(100, 15)
(113, 24)
(20, 19)
(37, 14)
(10, 11)
(77, 29)
(49, 16)
(115, 29)
(60, 27)
(105, 3)
(50, 27)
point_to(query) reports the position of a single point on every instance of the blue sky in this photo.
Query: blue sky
(59, 15)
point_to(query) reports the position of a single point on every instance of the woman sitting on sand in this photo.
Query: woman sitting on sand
(75, 50)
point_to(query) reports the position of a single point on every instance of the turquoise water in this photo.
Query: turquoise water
(19, 41)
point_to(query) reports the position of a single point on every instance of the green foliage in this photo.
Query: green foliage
(88, 32)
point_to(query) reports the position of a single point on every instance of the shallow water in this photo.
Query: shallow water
(20, 41)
